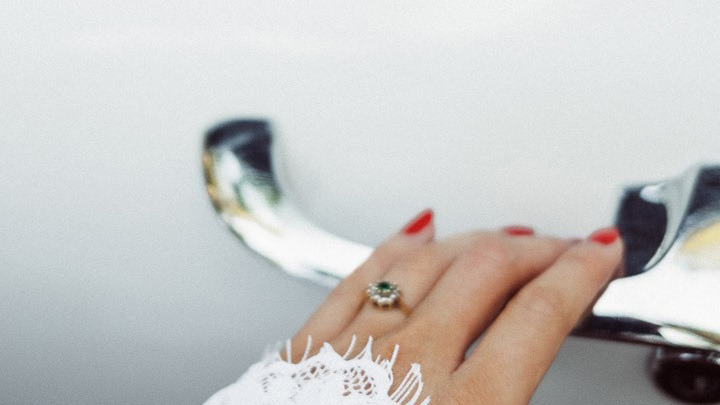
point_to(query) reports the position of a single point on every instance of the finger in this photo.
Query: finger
(511, 359)
(415, 276)
(479, 282)
(346, 299)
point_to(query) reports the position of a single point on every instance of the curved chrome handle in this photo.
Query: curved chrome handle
(670, 296)
(243, 187)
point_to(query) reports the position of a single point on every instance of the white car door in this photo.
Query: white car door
(120, 285)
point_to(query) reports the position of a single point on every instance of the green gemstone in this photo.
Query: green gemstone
(384, 286)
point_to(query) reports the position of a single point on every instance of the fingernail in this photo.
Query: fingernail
(518, 230)
(605, 236)
(419, 223)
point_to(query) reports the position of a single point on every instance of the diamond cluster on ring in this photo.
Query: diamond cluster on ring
(383, 293)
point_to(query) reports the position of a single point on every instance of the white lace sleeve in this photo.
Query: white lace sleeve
(326, 378)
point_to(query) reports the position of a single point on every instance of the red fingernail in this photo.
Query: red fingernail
(517, 230)
(419, 223)
(605, 236)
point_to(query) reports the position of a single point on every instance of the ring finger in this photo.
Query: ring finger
(416, 277)
(343, 303)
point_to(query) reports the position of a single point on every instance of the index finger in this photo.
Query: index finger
(513, 356)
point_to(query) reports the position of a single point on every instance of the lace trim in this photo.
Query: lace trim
(324, 378)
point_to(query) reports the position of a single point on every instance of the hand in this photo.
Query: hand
(523, 293)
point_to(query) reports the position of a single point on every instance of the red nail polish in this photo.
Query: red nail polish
(419, 223)
(517, 230)
(605, 236)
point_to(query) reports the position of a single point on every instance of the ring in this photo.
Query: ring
(385, 294)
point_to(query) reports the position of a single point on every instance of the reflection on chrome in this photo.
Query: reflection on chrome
(669, 295)
(673, 274)
(242, 185)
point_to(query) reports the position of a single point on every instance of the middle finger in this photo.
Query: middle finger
(474, 288)
(415, 278)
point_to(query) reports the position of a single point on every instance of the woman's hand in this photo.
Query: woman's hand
(523, 293)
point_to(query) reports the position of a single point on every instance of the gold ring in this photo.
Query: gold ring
(385, 294)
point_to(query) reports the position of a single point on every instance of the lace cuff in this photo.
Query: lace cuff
(325, 378)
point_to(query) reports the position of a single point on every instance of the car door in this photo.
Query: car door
(120, 284)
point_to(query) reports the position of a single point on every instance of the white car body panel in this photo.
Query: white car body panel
(120, 285)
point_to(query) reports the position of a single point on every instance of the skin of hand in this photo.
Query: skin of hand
(523, 293)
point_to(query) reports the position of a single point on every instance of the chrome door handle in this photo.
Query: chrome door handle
(669, 296)
(670, 293)
(242, 184)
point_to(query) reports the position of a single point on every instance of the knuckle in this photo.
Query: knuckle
(588, 263)
(578, 258)
(543, 303)
(490, 251)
